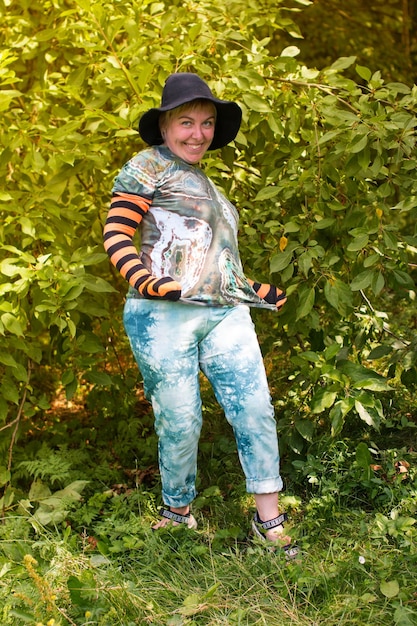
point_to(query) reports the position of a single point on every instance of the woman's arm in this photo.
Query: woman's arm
(269, 293)
(125, 214)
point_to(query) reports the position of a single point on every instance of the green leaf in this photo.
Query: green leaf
(291, 227)
(211, 591)
(339, 295)
(363, 456)
(331, 351)
(4, 409)
(12, 324)
(88, 258)
(305, 428)
(191, 605)
(38, 491)
(364, 72)
(372, 384)
(22, 616)
(343, 63)
(4, 476)
(89, 342)
(306, 302)
(337, 419)
(372, 259)
(305, 262)
(362, 280)
(7, 95)
(10, 392)
(71, 291)
(77, 77)
(358, 243)
(364, 460)
(403, 279)
(67, 377)
(76, 588)
(296, 441)
(266, 193)
(97, 284)
(73, 490)
(256, 103)
(358, 144)
(71, 388)
(324, 223)
(280, 261)
(370, 415)
(194, 31)
(338, 413)
(99, 378)
(379, 352)
(390, 588)
(310, 356)
(390, 240)
(358, 372)
(290, 51)
(7, 359)
(323, 399)
(20, 373)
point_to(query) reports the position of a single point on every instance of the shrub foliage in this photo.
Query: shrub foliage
(323, 174)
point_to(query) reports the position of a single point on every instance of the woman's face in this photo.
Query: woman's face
(189, 132)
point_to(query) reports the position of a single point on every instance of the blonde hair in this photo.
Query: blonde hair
(199, 103)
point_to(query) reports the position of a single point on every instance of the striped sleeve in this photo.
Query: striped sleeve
(126, 212)
(269, 293)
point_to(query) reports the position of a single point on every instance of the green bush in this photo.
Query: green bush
(322, 173)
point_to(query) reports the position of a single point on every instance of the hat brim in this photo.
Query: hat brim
(228, 120)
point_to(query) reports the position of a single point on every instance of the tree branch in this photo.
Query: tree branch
(16, 421)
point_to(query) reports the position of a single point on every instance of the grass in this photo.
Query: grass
(351, 571)
(76, 546)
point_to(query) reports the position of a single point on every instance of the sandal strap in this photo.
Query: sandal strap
(272, 523)
(291, 551)
(175, 517)
(260, 529)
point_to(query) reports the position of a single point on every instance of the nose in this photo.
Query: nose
(198, 131)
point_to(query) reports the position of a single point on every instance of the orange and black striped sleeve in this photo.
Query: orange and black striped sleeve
(269, 293)
(126, 213)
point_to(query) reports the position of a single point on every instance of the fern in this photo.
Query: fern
(53, 466)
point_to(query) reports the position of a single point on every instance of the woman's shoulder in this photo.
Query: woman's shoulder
(150, 154)
(149, 161)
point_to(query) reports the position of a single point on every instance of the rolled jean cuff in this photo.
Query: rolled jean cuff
(178, 501)
(270, 485)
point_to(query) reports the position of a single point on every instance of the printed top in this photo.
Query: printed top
(188, 230)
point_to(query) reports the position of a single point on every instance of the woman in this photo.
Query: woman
(187, 306)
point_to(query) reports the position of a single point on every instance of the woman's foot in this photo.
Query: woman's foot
(277, 536)
(174, 516)
(272, 533)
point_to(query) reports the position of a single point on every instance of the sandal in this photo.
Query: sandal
(260, 529)
(187, 519)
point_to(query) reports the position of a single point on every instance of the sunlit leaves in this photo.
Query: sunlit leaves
(322, 172)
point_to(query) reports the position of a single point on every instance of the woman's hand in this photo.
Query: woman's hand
(159, 288)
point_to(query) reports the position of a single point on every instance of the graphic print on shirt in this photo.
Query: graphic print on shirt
(233, 284)
(229, 212)
(189, 185)
(182, 247)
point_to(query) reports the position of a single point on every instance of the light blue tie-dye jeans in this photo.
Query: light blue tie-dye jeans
(172, 342)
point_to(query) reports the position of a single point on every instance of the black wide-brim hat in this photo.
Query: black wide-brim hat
(185, 87)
